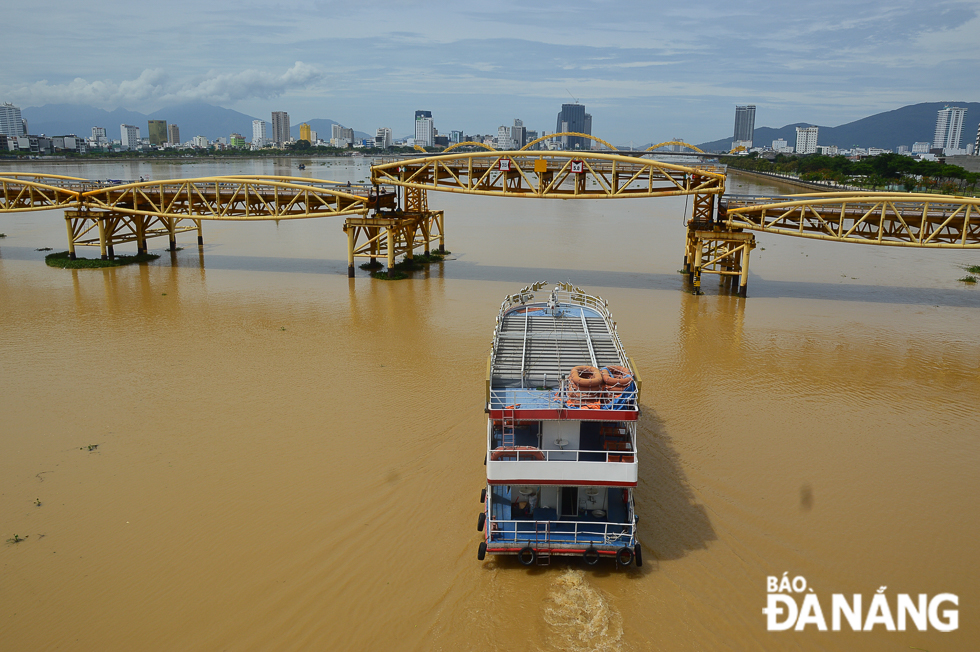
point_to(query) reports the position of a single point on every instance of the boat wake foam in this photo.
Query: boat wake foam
(580, 618)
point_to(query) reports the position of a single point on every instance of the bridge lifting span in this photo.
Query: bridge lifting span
(719, 240)
(133, 212)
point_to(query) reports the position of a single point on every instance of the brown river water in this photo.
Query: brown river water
(284, 458)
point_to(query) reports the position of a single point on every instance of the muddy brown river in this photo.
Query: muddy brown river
(240, 448)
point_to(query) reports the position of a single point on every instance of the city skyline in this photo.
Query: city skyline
(824, 64)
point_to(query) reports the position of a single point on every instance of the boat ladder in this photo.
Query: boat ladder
(507, 432)
(542, 534)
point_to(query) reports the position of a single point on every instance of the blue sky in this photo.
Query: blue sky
(647, 71)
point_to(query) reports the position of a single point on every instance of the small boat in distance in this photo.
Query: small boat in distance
(562, 402)
(302, 166)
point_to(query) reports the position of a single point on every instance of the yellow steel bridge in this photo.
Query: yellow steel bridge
(391, 216)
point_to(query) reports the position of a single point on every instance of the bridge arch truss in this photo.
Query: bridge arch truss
(548, 174)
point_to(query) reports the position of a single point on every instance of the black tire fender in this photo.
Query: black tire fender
(638, 555)
(526, 555)
(591, 556)
(482, 552)
(624, 556)
(483, 495)
(480, 522)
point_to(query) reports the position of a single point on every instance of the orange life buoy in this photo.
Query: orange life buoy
(616, 376)
(526, 453)
(585, 377)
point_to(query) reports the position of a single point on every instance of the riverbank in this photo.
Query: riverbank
(820, 186)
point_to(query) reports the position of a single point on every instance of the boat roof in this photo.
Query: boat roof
(543, 332)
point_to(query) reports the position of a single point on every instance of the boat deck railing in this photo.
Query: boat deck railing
(562, 397)
(618, 445)
(561, 532)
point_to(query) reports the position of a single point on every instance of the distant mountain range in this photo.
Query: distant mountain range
(193, 119)
(904, 126)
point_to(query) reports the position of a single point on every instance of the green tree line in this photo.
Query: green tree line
(873, 171)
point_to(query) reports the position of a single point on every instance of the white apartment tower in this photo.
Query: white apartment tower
(130, 136)
(503, 138)
(806, 140)
(424, 129)
(949, 128)
(11, 122)
(258, 133)
(382, 138)
(280, 128)
(976, 146)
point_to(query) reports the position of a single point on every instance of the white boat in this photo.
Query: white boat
(562, 402)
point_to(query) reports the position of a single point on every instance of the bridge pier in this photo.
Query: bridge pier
(71, 237)
(722, 252)
(103, 247)
(350, 250)
(389, 235)
(171, 231)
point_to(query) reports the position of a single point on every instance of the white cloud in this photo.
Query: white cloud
(155, 87)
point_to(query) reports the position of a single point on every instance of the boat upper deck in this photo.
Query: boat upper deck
(539, 338)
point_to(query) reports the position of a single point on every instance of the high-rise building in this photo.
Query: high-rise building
(382, 138)
(518, 134)
(11, 122)
(744, 124)
(976, 146)
(280, 128)
(456, 136)
(806, 140)
(573, 118)
(305, 133)
(129, 136)
(173, 134)
(157, 131)
(236, 140)
(424, 129)
(949, 128)
(503, 138)
(341, 136)
(99, 137)
(258, 133)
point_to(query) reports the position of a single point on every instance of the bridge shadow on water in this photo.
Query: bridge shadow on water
(468, 271)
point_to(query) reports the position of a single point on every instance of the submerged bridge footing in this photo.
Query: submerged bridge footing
(389, 235)
(105, 229)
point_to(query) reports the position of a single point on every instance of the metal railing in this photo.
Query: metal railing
(627, 455)
(563, 397)
(575, 532)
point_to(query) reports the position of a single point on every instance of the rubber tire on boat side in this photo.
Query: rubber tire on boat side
(483, 495)
(482, 553)
(480, 522)
(638, 555)
(588, 558)
(624, 556)
(527, 550)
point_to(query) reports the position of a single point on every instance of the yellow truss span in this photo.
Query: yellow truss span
(674, 142)
(27, 193)
(559, 175)
(569, 133)
(891, 219)
(210, 198)
(470, 143)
